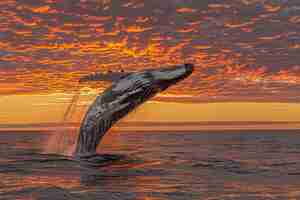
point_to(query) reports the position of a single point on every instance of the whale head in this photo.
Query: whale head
(170, 76)
(140, 86)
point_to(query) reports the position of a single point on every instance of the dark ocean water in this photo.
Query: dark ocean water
(244, 165)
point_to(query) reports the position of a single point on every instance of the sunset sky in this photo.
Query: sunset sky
(246, 56)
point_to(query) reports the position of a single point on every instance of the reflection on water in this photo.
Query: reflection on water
(243, 49)
(159, 166)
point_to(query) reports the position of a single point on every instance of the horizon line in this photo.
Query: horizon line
(162, 126)
(149, 123)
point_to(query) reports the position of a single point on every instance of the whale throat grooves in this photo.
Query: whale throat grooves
(106, 110)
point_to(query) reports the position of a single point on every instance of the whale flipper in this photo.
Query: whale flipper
(111, 77)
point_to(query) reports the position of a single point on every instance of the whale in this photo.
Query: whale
(126, 93)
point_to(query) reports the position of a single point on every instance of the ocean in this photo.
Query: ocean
(214, 165)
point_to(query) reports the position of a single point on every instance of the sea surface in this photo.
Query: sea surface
(223, 165)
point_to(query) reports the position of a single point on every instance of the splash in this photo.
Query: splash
(63, 140)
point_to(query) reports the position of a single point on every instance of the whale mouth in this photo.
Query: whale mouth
(170, 76)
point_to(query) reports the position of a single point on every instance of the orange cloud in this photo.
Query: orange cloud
(43, 9)
(47, 47)
(186, 10)
(136, 29)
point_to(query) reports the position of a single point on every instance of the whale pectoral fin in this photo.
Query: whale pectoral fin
(110, 77)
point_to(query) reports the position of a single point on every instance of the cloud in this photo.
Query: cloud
(242, 51)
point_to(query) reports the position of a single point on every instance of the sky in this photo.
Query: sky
(246, 56)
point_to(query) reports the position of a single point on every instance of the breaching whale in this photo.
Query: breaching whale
(127, 91)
